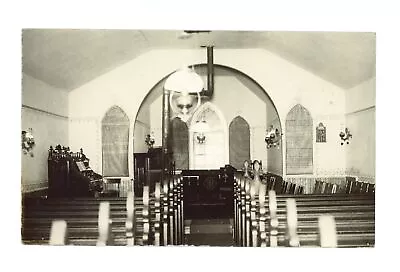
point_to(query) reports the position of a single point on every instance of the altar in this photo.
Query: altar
(208, 193)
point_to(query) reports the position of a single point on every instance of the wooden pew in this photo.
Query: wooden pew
(242, 200)
(59, 236)
(355, 219)
(352, 186)
(135, 221)
(83, 223)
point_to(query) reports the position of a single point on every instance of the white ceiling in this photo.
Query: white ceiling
(69, 58)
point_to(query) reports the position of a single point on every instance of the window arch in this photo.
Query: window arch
(239, 142)
(214, 153)
(299, 141)
(115, 137)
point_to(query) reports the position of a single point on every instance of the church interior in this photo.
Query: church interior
(198, 137)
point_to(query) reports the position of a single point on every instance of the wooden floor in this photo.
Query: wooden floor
(210, 232)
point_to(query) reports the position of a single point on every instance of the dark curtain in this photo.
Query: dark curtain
(239, 142)
(179, 143)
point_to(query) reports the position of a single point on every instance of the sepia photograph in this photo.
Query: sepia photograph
(196, 137)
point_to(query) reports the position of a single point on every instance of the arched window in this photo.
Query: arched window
(299, 141)
(179, 143)
(115, 136)
(239, 142)
(212, 151)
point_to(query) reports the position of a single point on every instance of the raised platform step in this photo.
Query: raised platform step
(213, 239)
(209, 226)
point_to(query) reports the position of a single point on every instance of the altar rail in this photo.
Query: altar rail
(122, 186)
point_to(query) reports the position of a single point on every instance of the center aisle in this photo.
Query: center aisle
(209, 232)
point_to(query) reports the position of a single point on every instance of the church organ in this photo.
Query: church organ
(70, 175)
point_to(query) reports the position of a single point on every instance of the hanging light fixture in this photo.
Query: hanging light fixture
(185, 86)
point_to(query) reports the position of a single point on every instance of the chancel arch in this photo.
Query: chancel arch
(115, 142)
(299, 141)
(256, 106)
(213, 151)
(239, 142)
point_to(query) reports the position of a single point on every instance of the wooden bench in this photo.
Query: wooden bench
(241, 197)
(354, 219)
(255, 224)
(153, 219)
(352, 186)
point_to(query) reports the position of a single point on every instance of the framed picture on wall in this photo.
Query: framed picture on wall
(321, 133)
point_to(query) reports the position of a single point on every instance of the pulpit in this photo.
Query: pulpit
(154, 155)
(208, 193)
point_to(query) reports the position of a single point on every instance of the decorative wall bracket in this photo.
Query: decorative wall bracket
(27, 141)
(201, 138)
(273, 137)
(345, 136)
(150, 140)
(201, 128)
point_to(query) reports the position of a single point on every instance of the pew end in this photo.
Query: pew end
(130, 219)
(104, 225)
(291, 223)
(327, 231)
(274, 222)
(58, 233)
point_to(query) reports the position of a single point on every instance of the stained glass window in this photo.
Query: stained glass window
(239, 142)
(299, 141)
(115, 137)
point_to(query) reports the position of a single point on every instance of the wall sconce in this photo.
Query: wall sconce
(345, 136)
(150, 140)
(201, 128)
(185, 86)
(273, 137)
(27, 141)
(201, 138)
